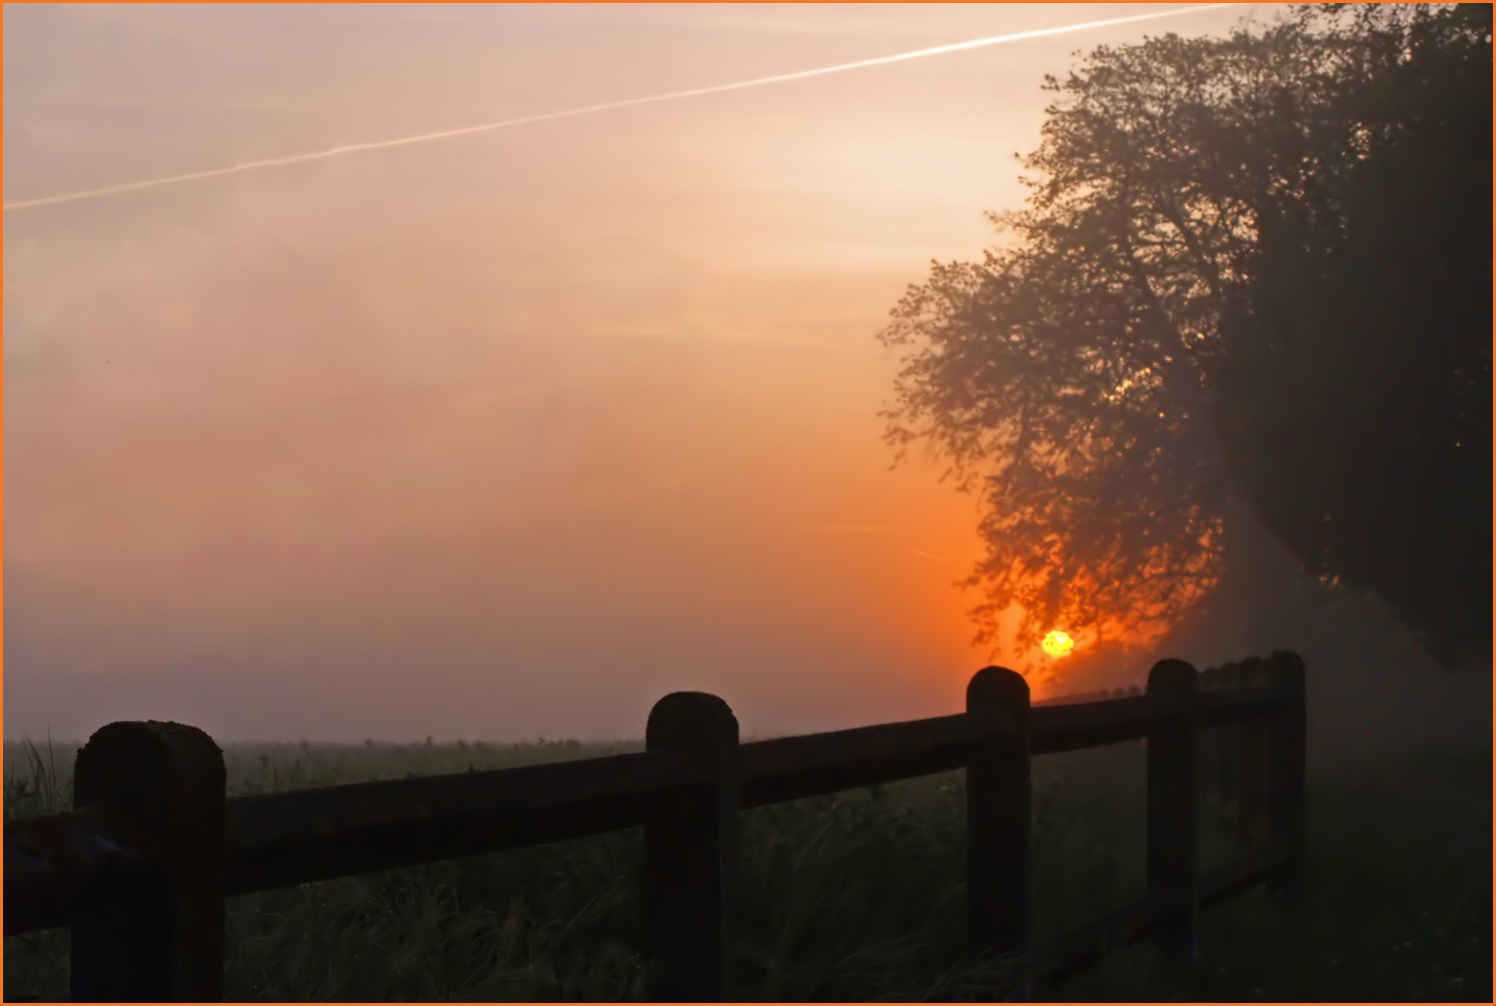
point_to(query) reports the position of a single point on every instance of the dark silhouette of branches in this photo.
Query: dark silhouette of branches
(1074, 377)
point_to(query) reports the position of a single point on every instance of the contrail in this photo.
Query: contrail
(447, 134)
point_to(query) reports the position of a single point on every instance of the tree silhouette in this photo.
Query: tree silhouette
(1072, 377)
(1356, 396)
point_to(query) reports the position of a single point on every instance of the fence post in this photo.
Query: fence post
(690, 852)
(1286, 770)
(155, 935)
(1174, 801)
(1252, 790)
(998, 873)
(1214, 745)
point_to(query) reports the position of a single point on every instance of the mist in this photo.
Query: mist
(1374, 693)
(510, 436)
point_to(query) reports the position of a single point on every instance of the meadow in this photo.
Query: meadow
(851, 897)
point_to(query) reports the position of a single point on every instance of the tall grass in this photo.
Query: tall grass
(852, 897)
(35, 784)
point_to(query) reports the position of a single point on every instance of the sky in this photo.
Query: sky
(507, 435)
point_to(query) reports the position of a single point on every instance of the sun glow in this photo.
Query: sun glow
(1058, 643)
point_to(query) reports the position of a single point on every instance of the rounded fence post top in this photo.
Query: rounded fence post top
(154, 742)
(162, 732)
(695, 701)
(1286, 662)
(688, 711)
(150, 766)
(1173, 675)
(998, 682)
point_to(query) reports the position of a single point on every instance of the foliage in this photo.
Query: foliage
(1072, 376)
(1356, 399)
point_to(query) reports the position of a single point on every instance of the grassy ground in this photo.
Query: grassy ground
(856, 897)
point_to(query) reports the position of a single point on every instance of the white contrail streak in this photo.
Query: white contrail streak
(447, 134)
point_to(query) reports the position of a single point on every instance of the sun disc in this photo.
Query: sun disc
(1058, 643)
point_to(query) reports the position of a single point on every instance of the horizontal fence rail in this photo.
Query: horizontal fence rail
(140, 869)
(281, 839)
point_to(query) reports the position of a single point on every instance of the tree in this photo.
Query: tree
(1072, 377)
(1355, 396)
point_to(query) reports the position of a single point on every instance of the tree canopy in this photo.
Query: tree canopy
(1356, 392)
(1252, 274)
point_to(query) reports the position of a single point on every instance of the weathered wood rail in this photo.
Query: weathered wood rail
(140, 870)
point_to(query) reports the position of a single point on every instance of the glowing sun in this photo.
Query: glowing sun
(1058, 643)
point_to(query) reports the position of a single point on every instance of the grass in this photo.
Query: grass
(852, 897)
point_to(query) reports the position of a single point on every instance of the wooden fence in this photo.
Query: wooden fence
(141, 868)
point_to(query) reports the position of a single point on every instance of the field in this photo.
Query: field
(856, 897)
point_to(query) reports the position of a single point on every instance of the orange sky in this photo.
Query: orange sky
(503, 436)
